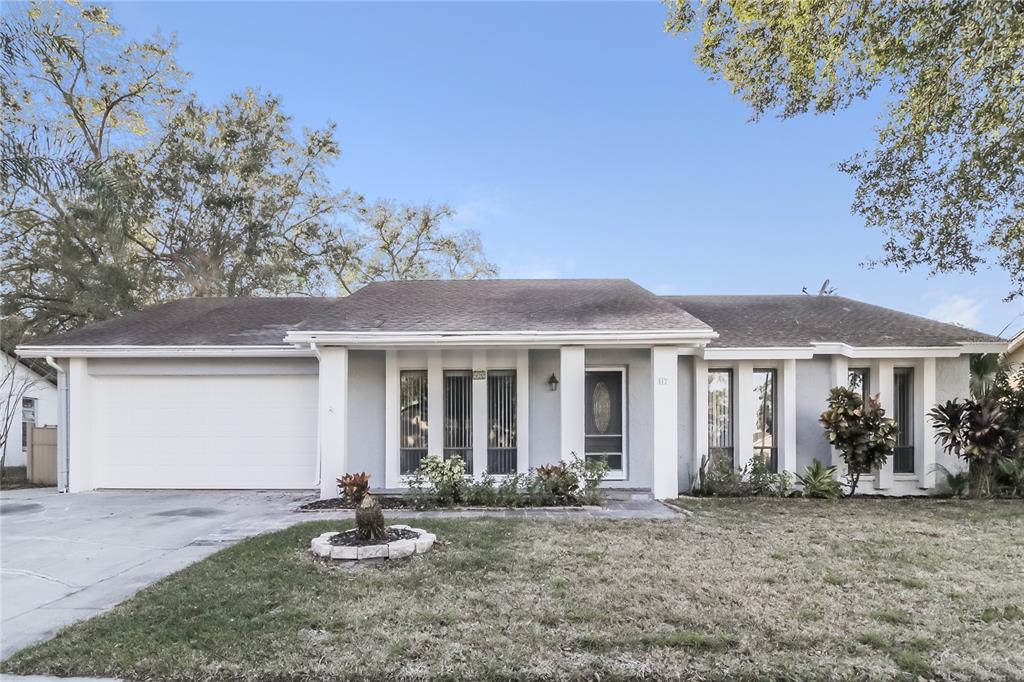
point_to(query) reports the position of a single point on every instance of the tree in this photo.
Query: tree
(122, 189)
(77, 95)
(864, 436)
(408, 242)
(945, 181)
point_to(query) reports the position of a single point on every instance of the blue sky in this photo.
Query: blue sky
(579, 140)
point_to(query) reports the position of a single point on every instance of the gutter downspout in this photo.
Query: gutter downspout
(63, 432)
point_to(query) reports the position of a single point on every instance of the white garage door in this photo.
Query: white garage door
(228, 431)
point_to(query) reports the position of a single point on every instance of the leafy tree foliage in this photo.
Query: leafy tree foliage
(122, 189)
(945, 182)
(864, 436)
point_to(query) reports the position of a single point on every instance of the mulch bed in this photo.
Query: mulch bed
(385, 501)
(350, 539)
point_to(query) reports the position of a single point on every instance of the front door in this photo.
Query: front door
(605, 415)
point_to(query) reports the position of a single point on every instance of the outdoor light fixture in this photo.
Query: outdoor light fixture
(553, 382)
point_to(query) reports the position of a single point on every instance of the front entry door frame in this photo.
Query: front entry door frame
(613, 474)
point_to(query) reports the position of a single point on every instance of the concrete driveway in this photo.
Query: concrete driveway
(69, 557)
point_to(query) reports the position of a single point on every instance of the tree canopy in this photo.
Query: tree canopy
(945, 181)
(122, 188)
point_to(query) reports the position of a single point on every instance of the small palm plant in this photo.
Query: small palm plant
(819, 481)
(369, 515)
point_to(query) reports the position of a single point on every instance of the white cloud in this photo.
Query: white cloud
(957, 309)
(479, 211)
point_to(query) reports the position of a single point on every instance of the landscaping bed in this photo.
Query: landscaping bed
(743, 589)
(425, 503)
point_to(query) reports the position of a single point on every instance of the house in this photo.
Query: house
(1015, 352)
(28, 395)
(508, 374)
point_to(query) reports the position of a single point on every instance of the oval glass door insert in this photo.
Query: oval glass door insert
(601, 404)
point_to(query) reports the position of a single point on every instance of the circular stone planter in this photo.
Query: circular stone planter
(398, 549)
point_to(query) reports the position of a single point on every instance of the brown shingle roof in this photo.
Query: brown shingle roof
(561, 305)
(765, 321)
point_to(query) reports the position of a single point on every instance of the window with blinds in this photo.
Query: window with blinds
(857, 380)
(501, 422)
(720, 415)
(903, 406)
(458, 416)
(765, 445)
(412, 419)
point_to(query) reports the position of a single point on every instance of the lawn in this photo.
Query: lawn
(755, 589)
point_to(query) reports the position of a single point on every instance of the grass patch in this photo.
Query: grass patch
(892, 616)
(708, 599)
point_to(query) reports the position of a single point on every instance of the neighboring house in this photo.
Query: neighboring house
(1015, 352)
(38, 405)
(509, 374)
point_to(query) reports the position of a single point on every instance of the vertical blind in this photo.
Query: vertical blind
(765, 445)
(458, 416)
(412, 419)
(903, 388)
(501, 422)
(720, 415)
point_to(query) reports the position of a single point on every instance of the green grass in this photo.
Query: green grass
(740, 591)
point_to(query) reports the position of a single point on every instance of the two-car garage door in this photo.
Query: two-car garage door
(206, 431)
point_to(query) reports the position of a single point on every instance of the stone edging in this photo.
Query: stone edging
(398, 549)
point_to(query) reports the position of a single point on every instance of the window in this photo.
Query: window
(858, 381)
(28, 416)
(720, 447)
(604, 419)
(501, 422)
(764, 417)
(903, 406)
(458, 416)
(412, 419)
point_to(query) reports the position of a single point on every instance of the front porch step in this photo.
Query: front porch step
(627, 494)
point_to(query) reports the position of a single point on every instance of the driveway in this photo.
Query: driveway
(69, 557)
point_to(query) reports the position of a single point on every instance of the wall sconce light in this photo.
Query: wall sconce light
(553, 383)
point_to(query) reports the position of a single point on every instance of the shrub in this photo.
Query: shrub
(819, 481)
(718, 478)
(864, 436)
(353, 487)
(443, 483)
(447, 478)
(979, 432)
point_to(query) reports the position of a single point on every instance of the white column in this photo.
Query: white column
(392, 460)
(479, 413)
(82, 463)
(838, 376)
(435, 404)
(571, 386)
(665, 455)
(883, 371)
(924, 432)
(333, 418)
(787, 451)
(523, 411)
(743, 434)
(700, 416)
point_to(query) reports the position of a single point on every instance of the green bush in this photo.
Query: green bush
(718, 478)
(443, 483)
(819, 481)
(864, 436)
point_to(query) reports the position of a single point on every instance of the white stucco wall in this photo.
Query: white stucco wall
(366, 414)
(45, 395)
(545, 409)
